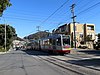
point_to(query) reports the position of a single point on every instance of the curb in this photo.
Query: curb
(3, 52)
(75, 51)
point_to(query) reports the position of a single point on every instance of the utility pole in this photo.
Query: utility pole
(73, 18)
(38, 29)
(5, 38)
(5, 35)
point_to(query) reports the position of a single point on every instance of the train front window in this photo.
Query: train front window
(66, 40)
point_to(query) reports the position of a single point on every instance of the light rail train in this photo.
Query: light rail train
(56, 43)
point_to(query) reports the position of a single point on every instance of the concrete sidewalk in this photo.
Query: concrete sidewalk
(79, 51)
(86, 51)
(3, 52)
(74, 51)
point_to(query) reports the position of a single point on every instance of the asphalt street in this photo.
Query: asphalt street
(27, 63)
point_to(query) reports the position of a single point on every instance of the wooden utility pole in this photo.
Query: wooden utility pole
(39, 36)
(73, 18)
(38, 28)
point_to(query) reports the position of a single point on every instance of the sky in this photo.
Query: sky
(26, 15)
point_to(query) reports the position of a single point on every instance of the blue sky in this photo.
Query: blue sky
(26, 15)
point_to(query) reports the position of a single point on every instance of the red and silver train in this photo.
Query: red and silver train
(56, 43)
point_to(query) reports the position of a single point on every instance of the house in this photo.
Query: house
(82, 31)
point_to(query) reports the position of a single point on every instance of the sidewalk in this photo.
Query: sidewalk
(85, 51)
(3, 52)
(75, 51)
(79, 51)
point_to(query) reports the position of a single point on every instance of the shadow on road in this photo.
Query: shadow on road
(93, 52)
(95, 62)
(36, 52)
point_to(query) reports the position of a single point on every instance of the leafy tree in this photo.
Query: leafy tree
(3, 5)
(98, 37)
(10, 35)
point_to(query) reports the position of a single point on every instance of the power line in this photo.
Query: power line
(29, 15)
(21, 18)
(88, 8)
(24, 14)
(54, 12)
(83, 5)
(34, 17)
(25, 19)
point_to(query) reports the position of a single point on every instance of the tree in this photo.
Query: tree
(98, 37)
(3, 5)
(10, 35)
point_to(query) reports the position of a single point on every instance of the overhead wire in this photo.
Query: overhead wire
(88, 8)
(68, 18)
(42, 21)
(54, 12)
(21, 18)
(59, 9)
(82, 6)
(26, 17)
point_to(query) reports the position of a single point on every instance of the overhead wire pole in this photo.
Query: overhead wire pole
(38, 29)
(73, 18)
(5, 35)
(5, 38)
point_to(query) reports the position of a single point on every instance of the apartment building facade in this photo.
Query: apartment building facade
(82, 31)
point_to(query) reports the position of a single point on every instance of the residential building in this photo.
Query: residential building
(89, 30)
(82, 31)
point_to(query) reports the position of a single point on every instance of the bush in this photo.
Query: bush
(2, 49)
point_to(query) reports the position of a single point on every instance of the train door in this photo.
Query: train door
(58, 43)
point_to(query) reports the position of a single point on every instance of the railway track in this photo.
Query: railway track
(78, 64)
(77, 69)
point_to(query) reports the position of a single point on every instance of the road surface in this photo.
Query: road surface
(37, 63)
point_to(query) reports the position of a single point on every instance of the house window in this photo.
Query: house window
(90, 27)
